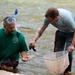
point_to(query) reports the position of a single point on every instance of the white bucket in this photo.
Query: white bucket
(56, 62)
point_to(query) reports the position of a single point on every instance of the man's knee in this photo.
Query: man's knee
(9, 64)
(7, 68)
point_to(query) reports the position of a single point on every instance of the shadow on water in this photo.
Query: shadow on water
(30, 16)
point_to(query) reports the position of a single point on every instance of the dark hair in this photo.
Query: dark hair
(52, 12)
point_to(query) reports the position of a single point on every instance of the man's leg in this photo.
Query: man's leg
(59, 41)
(9, 64)
(68, 42)
(7, 68)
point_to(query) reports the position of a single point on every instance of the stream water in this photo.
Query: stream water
(29, 18)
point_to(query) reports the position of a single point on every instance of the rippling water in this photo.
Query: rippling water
(30, 16)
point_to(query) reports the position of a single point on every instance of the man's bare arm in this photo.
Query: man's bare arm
(39, 33)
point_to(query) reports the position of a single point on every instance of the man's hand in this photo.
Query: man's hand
(24, 56)
(32, 45)
(71, 48)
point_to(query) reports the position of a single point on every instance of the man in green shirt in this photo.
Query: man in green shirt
(12, 45)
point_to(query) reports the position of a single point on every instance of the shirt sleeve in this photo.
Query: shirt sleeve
(71, 22)
(23, 45)
(45, 22)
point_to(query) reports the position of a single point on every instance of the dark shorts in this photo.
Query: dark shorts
(10, 62)
(62, 39)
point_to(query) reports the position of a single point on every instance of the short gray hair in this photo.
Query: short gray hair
(9, 20)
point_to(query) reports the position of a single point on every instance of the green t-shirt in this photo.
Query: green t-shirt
(11, 45)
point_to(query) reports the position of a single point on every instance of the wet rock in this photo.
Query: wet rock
(2, 72)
